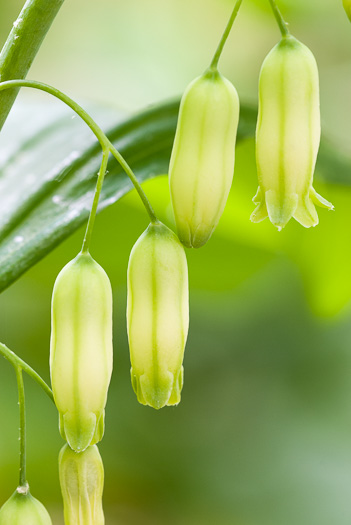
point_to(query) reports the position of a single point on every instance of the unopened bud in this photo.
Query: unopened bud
(81, 350)
(288, 136)
(158, 316)
(22, 509)
(202, 162)
(82, 483)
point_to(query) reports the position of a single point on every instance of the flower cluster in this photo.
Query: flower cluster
(200, 176)
(287, 142)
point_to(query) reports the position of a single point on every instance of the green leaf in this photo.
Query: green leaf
(47, 179)
(47, 182)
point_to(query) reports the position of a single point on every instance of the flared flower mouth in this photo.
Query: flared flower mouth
(288, 136)
(301, 208)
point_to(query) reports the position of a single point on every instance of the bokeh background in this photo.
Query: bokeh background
(263, 433)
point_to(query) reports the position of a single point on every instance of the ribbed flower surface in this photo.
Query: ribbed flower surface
(81, 350)
(288, 136)
(202, 162)
(82, 483)
(22, 509)
(157, 316)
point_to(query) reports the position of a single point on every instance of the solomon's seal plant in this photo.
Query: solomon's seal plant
(81, 350)
(23, 509)
(202, 162)
(82, 482)
(158, 316)
(201, 172)
(288, 135)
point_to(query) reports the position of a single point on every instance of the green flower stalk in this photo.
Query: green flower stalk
(288, 136)
(347, 7)
(202, 161)
(157, 316)
(82, 482)
(22, 509)
(81, 350)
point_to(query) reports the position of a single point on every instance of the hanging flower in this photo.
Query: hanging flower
(81, 350)
(158, 316)
(288, 136)
(22, 509)
(202, 162)
(82, 482)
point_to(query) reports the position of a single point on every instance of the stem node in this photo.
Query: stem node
(283, 26)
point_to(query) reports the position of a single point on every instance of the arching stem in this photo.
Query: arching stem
(225, 35)
(91, 221)
(17, 362)
(22, 428)
(100, 135)
(283, 26)
(20, 366)
(134, 180)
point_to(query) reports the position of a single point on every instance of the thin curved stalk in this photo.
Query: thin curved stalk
(17, 362)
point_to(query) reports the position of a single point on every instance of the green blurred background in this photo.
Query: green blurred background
(263, 433)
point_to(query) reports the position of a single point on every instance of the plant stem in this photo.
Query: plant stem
(22, 427)
(283, 26)
(17, 362)
(100, 135)
(22, 45)
(225, 35)
(99, 183)
(134, 180)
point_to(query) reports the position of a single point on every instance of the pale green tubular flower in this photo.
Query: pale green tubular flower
(202, 161)
(347, 7)
(157, 316)
(81, 349)
(82, 482)
(22, 509)
(288, 136)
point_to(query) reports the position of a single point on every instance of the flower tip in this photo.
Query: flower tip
(159, 392)
(197, 238)
(79, 435)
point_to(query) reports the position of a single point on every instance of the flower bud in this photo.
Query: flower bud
(81, 350)
(202, 162)
(157, 316)
(288, 136)
(347, 7)
(22, 509)
(82, 482)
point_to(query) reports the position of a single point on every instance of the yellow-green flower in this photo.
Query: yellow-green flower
(22, 509)
(202, 162)
(158, 316)
(82, 483)
(81, 350)
(288, 136)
